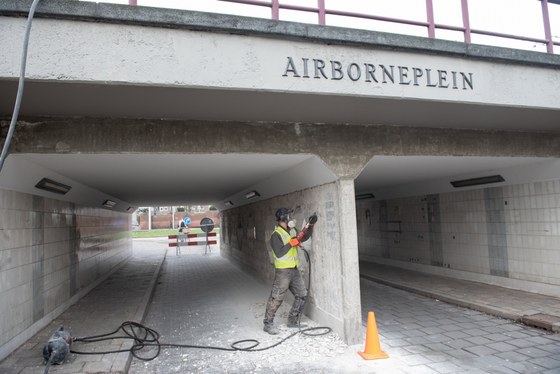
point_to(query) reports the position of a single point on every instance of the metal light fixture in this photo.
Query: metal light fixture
(365, 196)
(52, 186)
(477, 181)
(229, 203)
(252, 194)
(109, 204)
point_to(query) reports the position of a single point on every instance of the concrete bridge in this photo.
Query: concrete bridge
(425, 154)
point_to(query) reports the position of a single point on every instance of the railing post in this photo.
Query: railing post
(276, 9)
(547, 30)
(431, 20)
(322, 12)
(466, 21)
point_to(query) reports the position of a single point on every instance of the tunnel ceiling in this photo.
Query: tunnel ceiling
(164, 179)
(387, 177)
(171, 179)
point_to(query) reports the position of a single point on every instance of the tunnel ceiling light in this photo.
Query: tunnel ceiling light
(229, 203)
(252, 194)
(52, 186)
(477, 181)
(109, 204)
(365, 196)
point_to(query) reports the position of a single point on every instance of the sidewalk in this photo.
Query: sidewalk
(206, 301)
(123, 296)
(530, 308)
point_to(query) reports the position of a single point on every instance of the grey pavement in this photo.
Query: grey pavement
(204, 300)
(425, 335)
(123, 296)
(534, 309)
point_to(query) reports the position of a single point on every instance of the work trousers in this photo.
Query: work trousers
(284, 280)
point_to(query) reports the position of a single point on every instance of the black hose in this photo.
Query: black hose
(308, 259)
(145, 337)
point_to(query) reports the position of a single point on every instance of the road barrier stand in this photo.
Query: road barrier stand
(182, 239)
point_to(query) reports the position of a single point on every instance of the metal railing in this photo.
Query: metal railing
(430, 24)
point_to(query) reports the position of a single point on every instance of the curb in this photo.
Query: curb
(516, 317)
(122, 362)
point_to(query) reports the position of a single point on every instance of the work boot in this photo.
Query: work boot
(270, 328)
(294, 322)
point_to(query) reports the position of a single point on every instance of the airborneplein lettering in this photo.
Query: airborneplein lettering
(378, 73)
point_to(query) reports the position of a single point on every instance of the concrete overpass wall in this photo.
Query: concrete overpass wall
(139, 56)
(51, 254)
(334, 298)
(248, 66)
(507, 236)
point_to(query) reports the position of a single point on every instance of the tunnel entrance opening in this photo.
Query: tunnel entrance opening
(411, 217)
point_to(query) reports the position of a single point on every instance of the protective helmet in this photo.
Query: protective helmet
(283, 214)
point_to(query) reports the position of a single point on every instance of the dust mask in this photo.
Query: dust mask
(292, 223)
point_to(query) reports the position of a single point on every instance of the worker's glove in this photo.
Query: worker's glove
(313, 219)
(294, 242)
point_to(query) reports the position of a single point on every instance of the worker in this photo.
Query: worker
(284, 242)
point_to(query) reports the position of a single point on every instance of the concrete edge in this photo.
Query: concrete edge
(516, 317)
(141, 313)
(122, 363)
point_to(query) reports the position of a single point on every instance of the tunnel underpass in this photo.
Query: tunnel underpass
(415, 223)
(148, 113)
(485, 219)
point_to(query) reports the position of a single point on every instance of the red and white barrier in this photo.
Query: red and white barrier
(193, 239)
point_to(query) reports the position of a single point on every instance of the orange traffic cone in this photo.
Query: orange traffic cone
(373, 348)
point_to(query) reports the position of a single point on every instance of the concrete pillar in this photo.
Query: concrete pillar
(349, 260)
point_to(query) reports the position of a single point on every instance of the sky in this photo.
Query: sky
(525, 18)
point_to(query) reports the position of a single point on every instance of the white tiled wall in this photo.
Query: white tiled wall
(49, 251)
(528, 214)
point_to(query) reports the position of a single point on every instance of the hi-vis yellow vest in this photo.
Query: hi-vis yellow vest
(290, 259)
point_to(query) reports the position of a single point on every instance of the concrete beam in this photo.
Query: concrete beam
(344, 149)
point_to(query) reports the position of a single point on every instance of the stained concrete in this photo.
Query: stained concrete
(344, 149)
